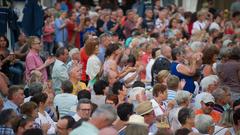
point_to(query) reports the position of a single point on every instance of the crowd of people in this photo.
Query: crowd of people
(118, 71)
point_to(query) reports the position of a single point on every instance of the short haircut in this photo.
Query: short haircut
(35, 87)
(218, 94)
(84, 94)
(203, 122)
(99, 86)
(138, 84)
(124, 111)
(159, 88)
(184, 114)
(38, 98)
(154, 50)
(177, 51)
(28, 107)
(117, 86)
(113, 98)
(182, 96)
(173, 82)
(70, 120)
(67, 86)
(12, 90)
(60, 51)
(83, 101)
(107, 112)
(206, 81)
(6, 116)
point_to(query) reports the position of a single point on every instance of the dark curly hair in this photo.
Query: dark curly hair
(209, 53)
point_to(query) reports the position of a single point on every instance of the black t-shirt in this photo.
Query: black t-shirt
(148, 24)
(100, 24)
(111, 24)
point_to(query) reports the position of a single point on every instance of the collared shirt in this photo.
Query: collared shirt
(10, 105)
(76, 117)
(61, 34)
(64, 102)
(85, 129)
(34, 61)
(59, 74)
(6, 130)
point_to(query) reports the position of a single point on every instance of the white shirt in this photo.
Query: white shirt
(93, 66)
(149, 69)
(46, 119)
(157, 109)
(214, 25)
(59, 74)
(76, 117)
(64, 102)
(198, 26)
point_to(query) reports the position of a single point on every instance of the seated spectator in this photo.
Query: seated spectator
(23, 124)
(66, 100)
(124, 111)
(183, 99)
(6, 118)
(158, 102)
(83, 110)
(208, 84)
(84, 94)
(15, 98)
(43, 117)
(186, 118)
(29, 109)
(101, 90)
(204, 124)
(173, 84)
(136, 96)
(207, 104)
(112, 100)
(120, 90)
(103, 117)
(222, 97)
(136, 125)
(225, 126)
(64, 125)
(145, 109)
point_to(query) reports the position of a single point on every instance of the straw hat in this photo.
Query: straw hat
(144, 108)
(137, 119)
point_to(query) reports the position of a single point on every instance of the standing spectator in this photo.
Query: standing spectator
(48, 36)
(73, 30)
(61, 30)
(84, 58)
(21, 47)
(34, 61)
(105, 40)
(15, 99)
(94, 65)
(173, 84)
(59, 71)
(148, 21)
(113, 25)
(202, 23)
(66, 99)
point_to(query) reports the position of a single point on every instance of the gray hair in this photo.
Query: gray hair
(218, 94)
(73, 51)
(182, 96)
(224, 52)
(35, 87)
(105, 111)
(206, 81)
(196, 46)
(227, 118)
(203, 122)
(83, 101)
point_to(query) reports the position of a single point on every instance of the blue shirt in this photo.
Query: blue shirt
(189, 86)
(61, 34)
(101, 54)
(10, 105)
(171, 95)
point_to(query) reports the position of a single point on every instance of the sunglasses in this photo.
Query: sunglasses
(209, 104)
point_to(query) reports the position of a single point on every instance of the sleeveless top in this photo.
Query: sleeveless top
(189, 86)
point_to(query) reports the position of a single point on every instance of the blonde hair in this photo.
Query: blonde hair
(31, 40)
(162, 75)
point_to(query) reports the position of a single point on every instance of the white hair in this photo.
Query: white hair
(182, 96)
(134, 92)
(196, 46)
(203, 122)
(206, 81)
(73, 51)
(105, 111)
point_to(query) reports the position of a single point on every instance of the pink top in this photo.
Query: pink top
(33, 61)
(48, 33)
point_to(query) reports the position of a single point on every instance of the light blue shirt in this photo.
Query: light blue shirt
(59, 74)
(61, 34)
(65, 102)
(171, 95)
(85, 129)
(101, 54)
(10, 105)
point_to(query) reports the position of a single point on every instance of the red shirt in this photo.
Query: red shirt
(70, 29)
(84, 58)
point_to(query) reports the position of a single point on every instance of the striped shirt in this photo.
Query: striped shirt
(171, 95)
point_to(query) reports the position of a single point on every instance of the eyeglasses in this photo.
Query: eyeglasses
(209, 104)
(85, 110)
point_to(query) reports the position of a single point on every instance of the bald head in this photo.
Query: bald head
(166, 51)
